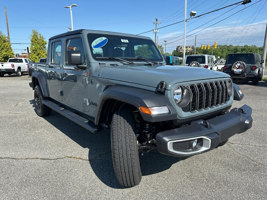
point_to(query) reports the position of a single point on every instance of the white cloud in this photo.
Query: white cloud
(251, 34)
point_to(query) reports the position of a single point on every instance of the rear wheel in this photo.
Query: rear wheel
(124, 149)
(1, 74)
(19, 73)
(40, 109)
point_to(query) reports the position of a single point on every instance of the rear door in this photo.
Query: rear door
(54, 70)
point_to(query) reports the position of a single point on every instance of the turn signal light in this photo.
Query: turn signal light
(145, 110)
(206, 66)
(12, 65)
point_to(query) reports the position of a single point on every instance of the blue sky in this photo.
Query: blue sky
(49, 18)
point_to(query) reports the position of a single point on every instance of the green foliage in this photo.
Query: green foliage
(176, 53)
(6, 51)
(167, 54)
(160, 49)
(223, 50)
(38, 47)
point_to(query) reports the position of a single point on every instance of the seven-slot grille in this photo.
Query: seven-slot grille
(207, 95)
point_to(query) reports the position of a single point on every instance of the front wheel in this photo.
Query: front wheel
(124, 149)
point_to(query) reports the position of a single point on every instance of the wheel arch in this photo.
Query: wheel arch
(115, 96)
(39, 79)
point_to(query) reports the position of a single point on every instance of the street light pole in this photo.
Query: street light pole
(165, 45)
(185, 14)
(71, 19)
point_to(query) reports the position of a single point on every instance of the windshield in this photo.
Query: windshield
(128, 48)
(200, 59)
(247, 58)
(15, 60)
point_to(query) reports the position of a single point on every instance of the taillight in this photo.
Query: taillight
(28, 66)
(254, 67)
(224, 67)
(206, 66)
(12, 65)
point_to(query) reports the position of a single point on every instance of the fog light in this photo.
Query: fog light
(194, 143)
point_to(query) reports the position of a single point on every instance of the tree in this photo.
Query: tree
(6, 51)
(38, 47)
(160, 49)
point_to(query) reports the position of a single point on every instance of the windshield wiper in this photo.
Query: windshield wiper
(116, 58)
(143, 59)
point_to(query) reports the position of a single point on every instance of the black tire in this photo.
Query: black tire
(255, 81)
(1, 74)
(19, 73)
(40, 109)
(258, 78)
(124, 149)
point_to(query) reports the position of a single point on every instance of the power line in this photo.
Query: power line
(220, 20)
(242, 2)
(202, 25)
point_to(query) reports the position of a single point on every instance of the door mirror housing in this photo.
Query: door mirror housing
(262, 61)
(75, 58)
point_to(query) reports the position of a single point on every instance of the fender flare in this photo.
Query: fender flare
(137, 97)
(42, 83)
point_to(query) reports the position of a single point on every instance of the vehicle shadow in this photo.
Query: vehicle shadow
(99, 155)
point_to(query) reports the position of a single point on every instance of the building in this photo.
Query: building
(188, 49)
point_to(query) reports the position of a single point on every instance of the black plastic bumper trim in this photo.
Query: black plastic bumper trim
(217, 129)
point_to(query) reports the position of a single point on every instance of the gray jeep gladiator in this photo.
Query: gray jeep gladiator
(119, 81)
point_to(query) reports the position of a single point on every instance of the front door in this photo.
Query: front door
(75, 79)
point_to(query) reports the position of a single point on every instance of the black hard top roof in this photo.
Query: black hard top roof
(80, 31)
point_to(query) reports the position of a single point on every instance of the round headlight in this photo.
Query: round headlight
(182, 96)
(177, 95)
(229, 85)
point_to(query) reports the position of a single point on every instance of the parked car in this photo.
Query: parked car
(201, 60)
(119, 81)
(220, 64)
(42, 60)
(246, 66)
(15, 65)
(172, 60)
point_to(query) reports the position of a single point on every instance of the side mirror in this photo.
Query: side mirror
(75, 58)
(238, 94)
(262, 61)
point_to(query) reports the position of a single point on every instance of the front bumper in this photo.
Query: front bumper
(202, 135)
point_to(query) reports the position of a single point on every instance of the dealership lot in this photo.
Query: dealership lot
(53, 158)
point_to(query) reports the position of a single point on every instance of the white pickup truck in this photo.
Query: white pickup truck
(15, 65)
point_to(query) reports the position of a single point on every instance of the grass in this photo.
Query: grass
(265, 79)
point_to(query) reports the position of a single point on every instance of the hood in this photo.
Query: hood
(151, 75)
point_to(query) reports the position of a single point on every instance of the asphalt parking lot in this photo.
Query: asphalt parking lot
(53, 158)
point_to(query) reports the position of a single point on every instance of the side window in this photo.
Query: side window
(74, 45)
(56, 53)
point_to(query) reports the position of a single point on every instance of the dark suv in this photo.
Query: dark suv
(246, 66)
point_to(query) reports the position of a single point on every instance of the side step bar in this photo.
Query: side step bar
(71, 116)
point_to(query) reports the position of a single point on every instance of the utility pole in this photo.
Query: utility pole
(156, 30)
(165, 45)
(195, 49)
(264, 48)
(7, 26)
